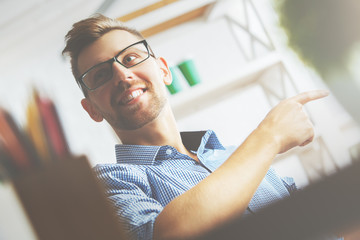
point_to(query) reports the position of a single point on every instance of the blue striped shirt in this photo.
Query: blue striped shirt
(146, 178)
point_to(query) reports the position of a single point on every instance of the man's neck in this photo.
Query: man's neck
(162, 131)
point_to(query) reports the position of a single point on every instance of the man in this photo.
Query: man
(168, 184)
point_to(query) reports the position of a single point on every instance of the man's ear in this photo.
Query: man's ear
(165, 71)
(91, 110)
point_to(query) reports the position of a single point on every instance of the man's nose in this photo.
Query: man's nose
(120, 72)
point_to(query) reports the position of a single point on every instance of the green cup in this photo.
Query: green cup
(175, 85)
(190, 72)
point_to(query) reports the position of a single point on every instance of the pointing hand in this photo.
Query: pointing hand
(287, 123)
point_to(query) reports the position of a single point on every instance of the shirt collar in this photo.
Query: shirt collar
(146, 155)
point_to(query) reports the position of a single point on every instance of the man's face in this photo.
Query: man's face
(134, 96)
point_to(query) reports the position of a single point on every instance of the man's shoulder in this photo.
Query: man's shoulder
(118, 170)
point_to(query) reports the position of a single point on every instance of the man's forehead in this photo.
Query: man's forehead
(104, 48)
(122, 37)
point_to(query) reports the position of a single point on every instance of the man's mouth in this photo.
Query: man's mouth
(132, 95)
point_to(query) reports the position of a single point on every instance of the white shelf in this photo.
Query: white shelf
(207, 93)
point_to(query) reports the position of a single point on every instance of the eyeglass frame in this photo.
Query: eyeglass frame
(80, 81)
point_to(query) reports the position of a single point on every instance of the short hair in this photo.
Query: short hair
(87, 31)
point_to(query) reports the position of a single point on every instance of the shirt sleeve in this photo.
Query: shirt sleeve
(130, 194)
(290, 184)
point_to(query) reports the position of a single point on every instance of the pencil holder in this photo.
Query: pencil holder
(64, 200)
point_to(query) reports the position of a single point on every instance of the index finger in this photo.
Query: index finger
(306, 97)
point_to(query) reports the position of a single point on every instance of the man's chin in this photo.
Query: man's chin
(133, 124)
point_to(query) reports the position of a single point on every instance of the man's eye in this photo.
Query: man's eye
(101, 75)
(129, 60)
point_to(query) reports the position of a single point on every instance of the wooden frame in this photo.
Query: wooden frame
(198, 12)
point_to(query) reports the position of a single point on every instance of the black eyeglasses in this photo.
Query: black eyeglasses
(129, 57)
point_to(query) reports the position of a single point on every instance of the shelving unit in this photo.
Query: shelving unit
(205, 94)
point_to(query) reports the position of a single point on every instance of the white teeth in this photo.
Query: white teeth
(132, 95)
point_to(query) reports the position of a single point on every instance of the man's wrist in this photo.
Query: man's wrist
(265, 137)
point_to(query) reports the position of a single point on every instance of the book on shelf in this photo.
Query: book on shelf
(55, 194)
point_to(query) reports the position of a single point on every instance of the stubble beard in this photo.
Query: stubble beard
(128, 121)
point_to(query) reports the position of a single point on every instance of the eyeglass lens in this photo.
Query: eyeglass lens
(129, 57)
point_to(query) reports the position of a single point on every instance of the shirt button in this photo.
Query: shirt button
(168, 151)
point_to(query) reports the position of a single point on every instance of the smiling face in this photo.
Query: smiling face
(134, 96)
